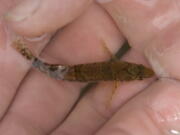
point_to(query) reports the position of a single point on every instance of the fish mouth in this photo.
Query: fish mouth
(147, 73)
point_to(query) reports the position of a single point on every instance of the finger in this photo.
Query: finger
(18, 73)
(154, 111)
(13, 67)
(43, 103)
(159, 39)
(44, 16)
(133, 15)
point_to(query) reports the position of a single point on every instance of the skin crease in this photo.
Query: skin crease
(34, 104)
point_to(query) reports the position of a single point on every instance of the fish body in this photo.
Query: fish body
(108, 71)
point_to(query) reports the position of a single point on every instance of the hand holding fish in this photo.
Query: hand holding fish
(63, 39)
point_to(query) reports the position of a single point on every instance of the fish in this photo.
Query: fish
(113, 70)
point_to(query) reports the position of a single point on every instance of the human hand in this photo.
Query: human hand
(39, 104)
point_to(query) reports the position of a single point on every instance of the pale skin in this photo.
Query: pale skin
(31, 103)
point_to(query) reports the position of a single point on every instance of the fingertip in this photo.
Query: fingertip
(154, 111)
(35, 18)
(163, 103)
(23, 10)
(163, 54)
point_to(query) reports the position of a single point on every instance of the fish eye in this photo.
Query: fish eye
(133, 70)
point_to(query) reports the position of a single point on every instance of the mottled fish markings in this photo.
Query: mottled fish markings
(21, 47)
(100, 71)
(108, 71)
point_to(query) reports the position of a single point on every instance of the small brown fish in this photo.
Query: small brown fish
(101, 71)
(108, 71)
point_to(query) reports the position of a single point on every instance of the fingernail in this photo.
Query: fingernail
(35, 39)
(164, 106)
(174, 132)
(22, 11)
